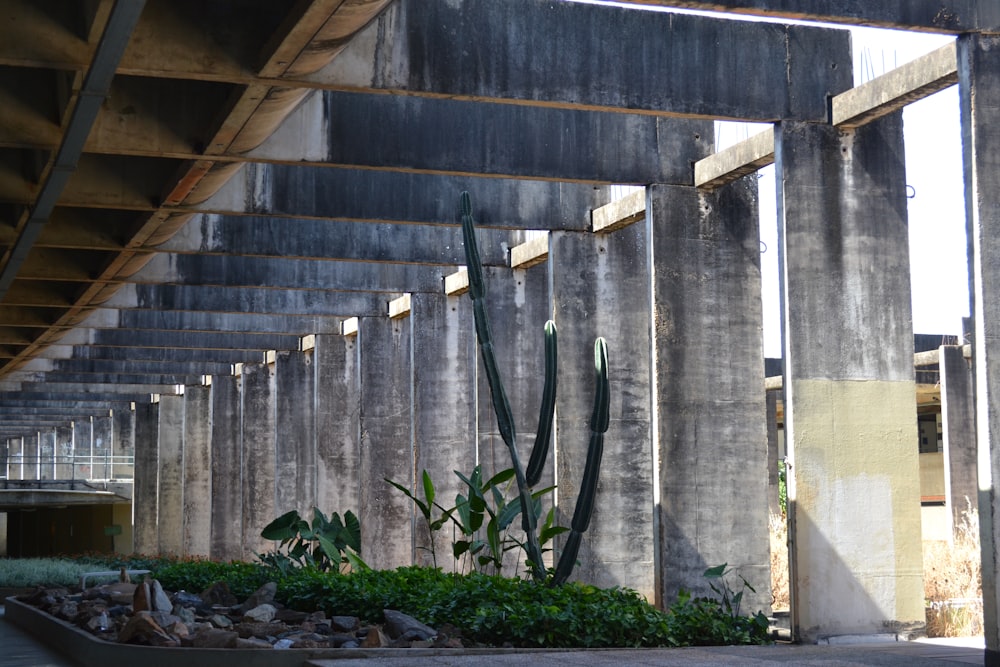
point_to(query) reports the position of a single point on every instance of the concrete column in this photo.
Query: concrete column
(47, 454)
(170, 477)
(32, 456)
(77, 441)
(295, 423)
(710, 407)
(101, 446)
(227, 476)
(144, 489)
(386, 441)
(64, 452)
(258, 456)
(850, 415)
(197, 470)
(601, 287)
(338, 423)
(15, 458)
(979, 84)
(959, 429)
(444, 400)
(122, 444)
(773, 455)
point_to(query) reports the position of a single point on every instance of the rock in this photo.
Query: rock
(142, 599)
(261, 614)
(119, 593)
(448, 637)
(283, 644)
(187, 599)
(252, 643)
(309, 643)
(67, 611)
(375, 639)
(215, 638)
(219, 594)
(290, 616)
(262, 630)
(142, 629)
(399, 625)
(221, 621)
(344, 623)
(340, 639)
(354, 643)
(99, 623)
(263, 595)
(317, 616)
(186, 614)
(159, 599)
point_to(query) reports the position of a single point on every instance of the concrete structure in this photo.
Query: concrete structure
(188, 192)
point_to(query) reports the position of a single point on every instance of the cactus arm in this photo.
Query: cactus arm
(501, 406)
(588, 487)
(540, 450)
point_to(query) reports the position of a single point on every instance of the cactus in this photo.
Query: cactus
(505, 419)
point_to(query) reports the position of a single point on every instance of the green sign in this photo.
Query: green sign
(111, 531)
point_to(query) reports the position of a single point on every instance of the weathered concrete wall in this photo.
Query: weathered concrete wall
(709, 378)
(226, 542)
(170, 476)
(386, 441)
(144, 489)
(258, 456)
(46, 452)
(958, 417)
(101, 436)
(77, 441)
(122, 443)
(197, 470)
(295, 433)
(338, 424)
(850, 416)
(444, 407)
(979, 84)
(754, 71)
(601, 287)
(773, 489)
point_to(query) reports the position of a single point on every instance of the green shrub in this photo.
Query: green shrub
(195, 576)
(28, 572)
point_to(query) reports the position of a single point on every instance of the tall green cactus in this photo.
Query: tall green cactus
(505, 419)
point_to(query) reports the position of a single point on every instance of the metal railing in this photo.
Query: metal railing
(88, 467)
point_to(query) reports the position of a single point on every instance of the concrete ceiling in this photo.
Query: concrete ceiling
(185, 184)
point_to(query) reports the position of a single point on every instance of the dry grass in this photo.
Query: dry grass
(779, 562)
(952, 582)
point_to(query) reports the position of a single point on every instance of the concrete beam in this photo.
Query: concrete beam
(620, 213)
(43, 365)
(187, 321)
(750, 71)
(947, 16)
(277, 273)
(167, 340)
(735, 162)
(261, 301)
(324, 239)
(448, 136)
(182, 355)
(60, 377)
(894, 90)
(354, 194)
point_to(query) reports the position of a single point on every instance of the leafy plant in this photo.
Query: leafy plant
(704, 621)
(526, 479)
(426, 507)
(325, 544)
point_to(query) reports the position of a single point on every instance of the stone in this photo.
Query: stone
(186, 614)
(263, 595)
(399, 625)
(309, 643)
(344, 623)
(290, 616)
(142, 629)
(250, 629)
(142, 600)
(338, 640)
(67, 611)
(219, 594)
(375, 639)
(252, 642)
(187, 599)
(221, 621)
(261, 614)
(283, 644)
(159, 598)
(215, 638)
(119, 593)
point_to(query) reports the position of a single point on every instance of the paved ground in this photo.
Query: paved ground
(18, 649)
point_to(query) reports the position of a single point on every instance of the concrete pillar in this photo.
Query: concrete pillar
(959, 430)
(15, 458)
(386, 441)
(122, 444)
(64, 454)
(227, 477)
(101, 446)
(979, 85)
(850, 415)
(773, 455)
(170, 476)
(197, 458)
(3, 534)
(444, 400)
(295, 424)
(709, 378)
(144, 495)
(601, 287)
(32, 456)
(77, 442)
(47, 454)
(258, 456)
(338, 423)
